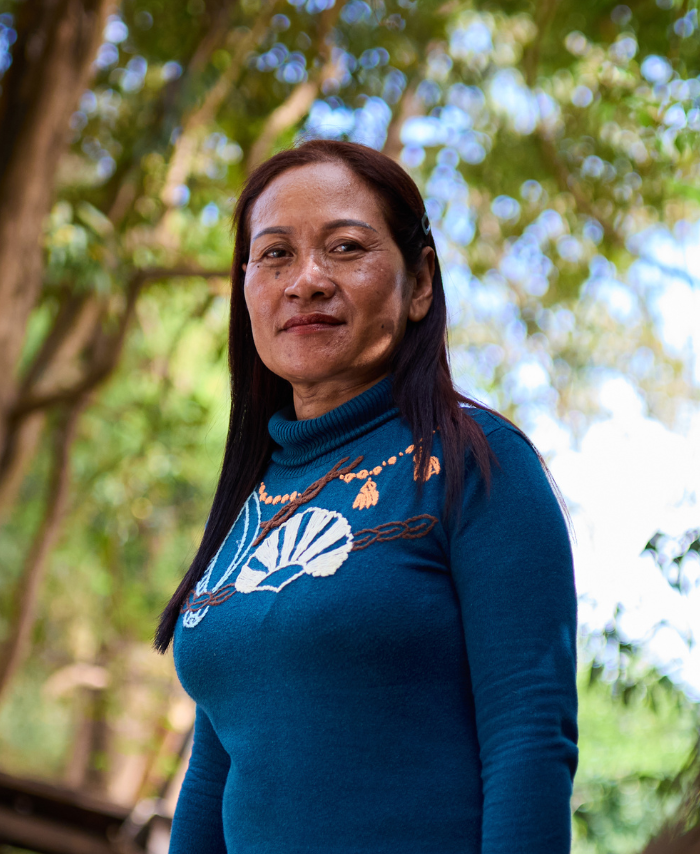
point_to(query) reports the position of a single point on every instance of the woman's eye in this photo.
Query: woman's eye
(275, 253)
(347, 246)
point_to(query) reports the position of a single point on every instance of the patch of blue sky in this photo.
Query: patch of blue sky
(107, 56)
(373, 57)
(423, 131)
(570, 248)
(454, 119)
(448, 157)
(394, 85)
(676, 312)
(429, 92)
(412, 156)
(473, 38)
(619, 301)
(460, 223)
(551, 223)
(471, 147)
(134, 74)
(115, 31)
(434, 208)
(506, 208)
(528, 383)
(8, 36)
(549, 110)
(668, 274)
(446, 183)
(327, 121)
(617, 505)
(491, 299)
(456, 278)
(209, 215)
(469, 99)
(526, 266)
(272, 58)
(656, 69)
(514, 101)
(356, 12)
(371, 123)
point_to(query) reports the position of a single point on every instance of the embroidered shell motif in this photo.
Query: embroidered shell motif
(315, 542)
(250, 518)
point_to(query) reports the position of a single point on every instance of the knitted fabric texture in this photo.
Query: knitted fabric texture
(369, 677)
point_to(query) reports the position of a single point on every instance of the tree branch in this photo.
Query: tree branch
(531, 57)
(289, 112)
(410, 106)
(129, 176)
(568, 183)
(22, 623)
(299, 101)
(186, 145)
(109, 346)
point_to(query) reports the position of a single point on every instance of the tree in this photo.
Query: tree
(552, 142)
(52, 57)
(613, 812)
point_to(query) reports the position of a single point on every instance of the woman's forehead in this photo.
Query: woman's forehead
(318, 192)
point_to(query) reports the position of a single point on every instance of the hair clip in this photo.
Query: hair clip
(425, 222)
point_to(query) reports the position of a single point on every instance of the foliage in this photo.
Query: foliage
(640, 733)
(556, 144)
(628, 782)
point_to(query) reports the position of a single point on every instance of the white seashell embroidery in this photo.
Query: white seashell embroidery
(287, 547)
(251, 528)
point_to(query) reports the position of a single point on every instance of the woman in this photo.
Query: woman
(379, 625)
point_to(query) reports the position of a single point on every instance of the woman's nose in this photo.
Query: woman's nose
(312, 279)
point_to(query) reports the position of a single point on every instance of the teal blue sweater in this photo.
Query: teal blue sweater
(371, 678)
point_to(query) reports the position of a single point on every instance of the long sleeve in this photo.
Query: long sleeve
(512, 567)
(198, 821)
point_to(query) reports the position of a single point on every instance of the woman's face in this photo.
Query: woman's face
(326, 286)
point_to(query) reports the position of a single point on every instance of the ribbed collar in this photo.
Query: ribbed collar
(301, 442)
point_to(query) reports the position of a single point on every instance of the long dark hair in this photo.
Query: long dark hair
(422, 384)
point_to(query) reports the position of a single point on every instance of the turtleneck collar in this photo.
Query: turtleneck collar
(300, 442)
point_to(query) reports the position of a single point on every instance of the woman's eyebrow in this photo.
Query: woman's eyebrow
(329, 226)
(340, 223)
(274, 229)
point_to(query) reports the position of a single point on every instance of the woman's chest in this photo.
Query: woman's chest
(328, 588)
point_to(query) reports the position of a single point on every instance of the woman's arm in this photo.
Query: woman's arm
(512, 566)
(198, 822)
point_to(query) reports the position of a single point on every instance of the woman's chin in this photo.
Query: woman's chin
(313, 374)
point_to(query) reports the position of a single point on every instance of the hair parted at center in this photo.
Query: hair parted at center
(422, 384)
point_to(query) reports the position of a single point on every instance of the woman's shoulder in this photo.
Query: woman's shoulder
(515, 459)
(497, 426)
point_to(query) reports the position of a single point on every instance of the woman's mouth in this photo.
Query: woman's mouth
(304, 324)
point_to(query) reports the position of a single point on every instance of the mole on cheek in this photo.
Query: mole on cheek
(277, 274)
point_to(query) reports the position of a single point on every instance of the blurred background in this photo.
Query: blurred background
(556, 144)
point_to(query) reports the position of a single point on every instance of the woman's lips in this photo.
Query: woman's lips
(304, 324)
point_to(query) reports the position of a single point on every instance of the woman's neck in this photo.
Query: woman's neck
(311, 400)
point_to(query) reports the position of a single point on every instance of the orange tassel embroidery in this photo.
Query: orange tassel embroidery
(433, 467)
(367, 496)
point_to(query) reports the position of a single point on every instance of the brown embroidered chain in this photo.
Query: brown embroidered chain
(217, 597)
(410, 529)
(307, 495)
(407, 530)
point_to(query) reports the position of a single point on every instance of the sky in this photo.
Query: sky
(631, 476)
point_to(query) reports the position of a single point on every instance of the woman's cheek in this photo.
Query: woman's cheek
(261, 315)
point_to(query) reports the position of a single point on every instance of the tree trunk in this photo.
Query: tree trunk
(675, 843)
(52, 59)
(56, 365)
(22, 619)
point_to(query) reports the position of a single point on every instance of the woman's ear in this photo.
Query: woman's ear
(244, 267)
(422, 296)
